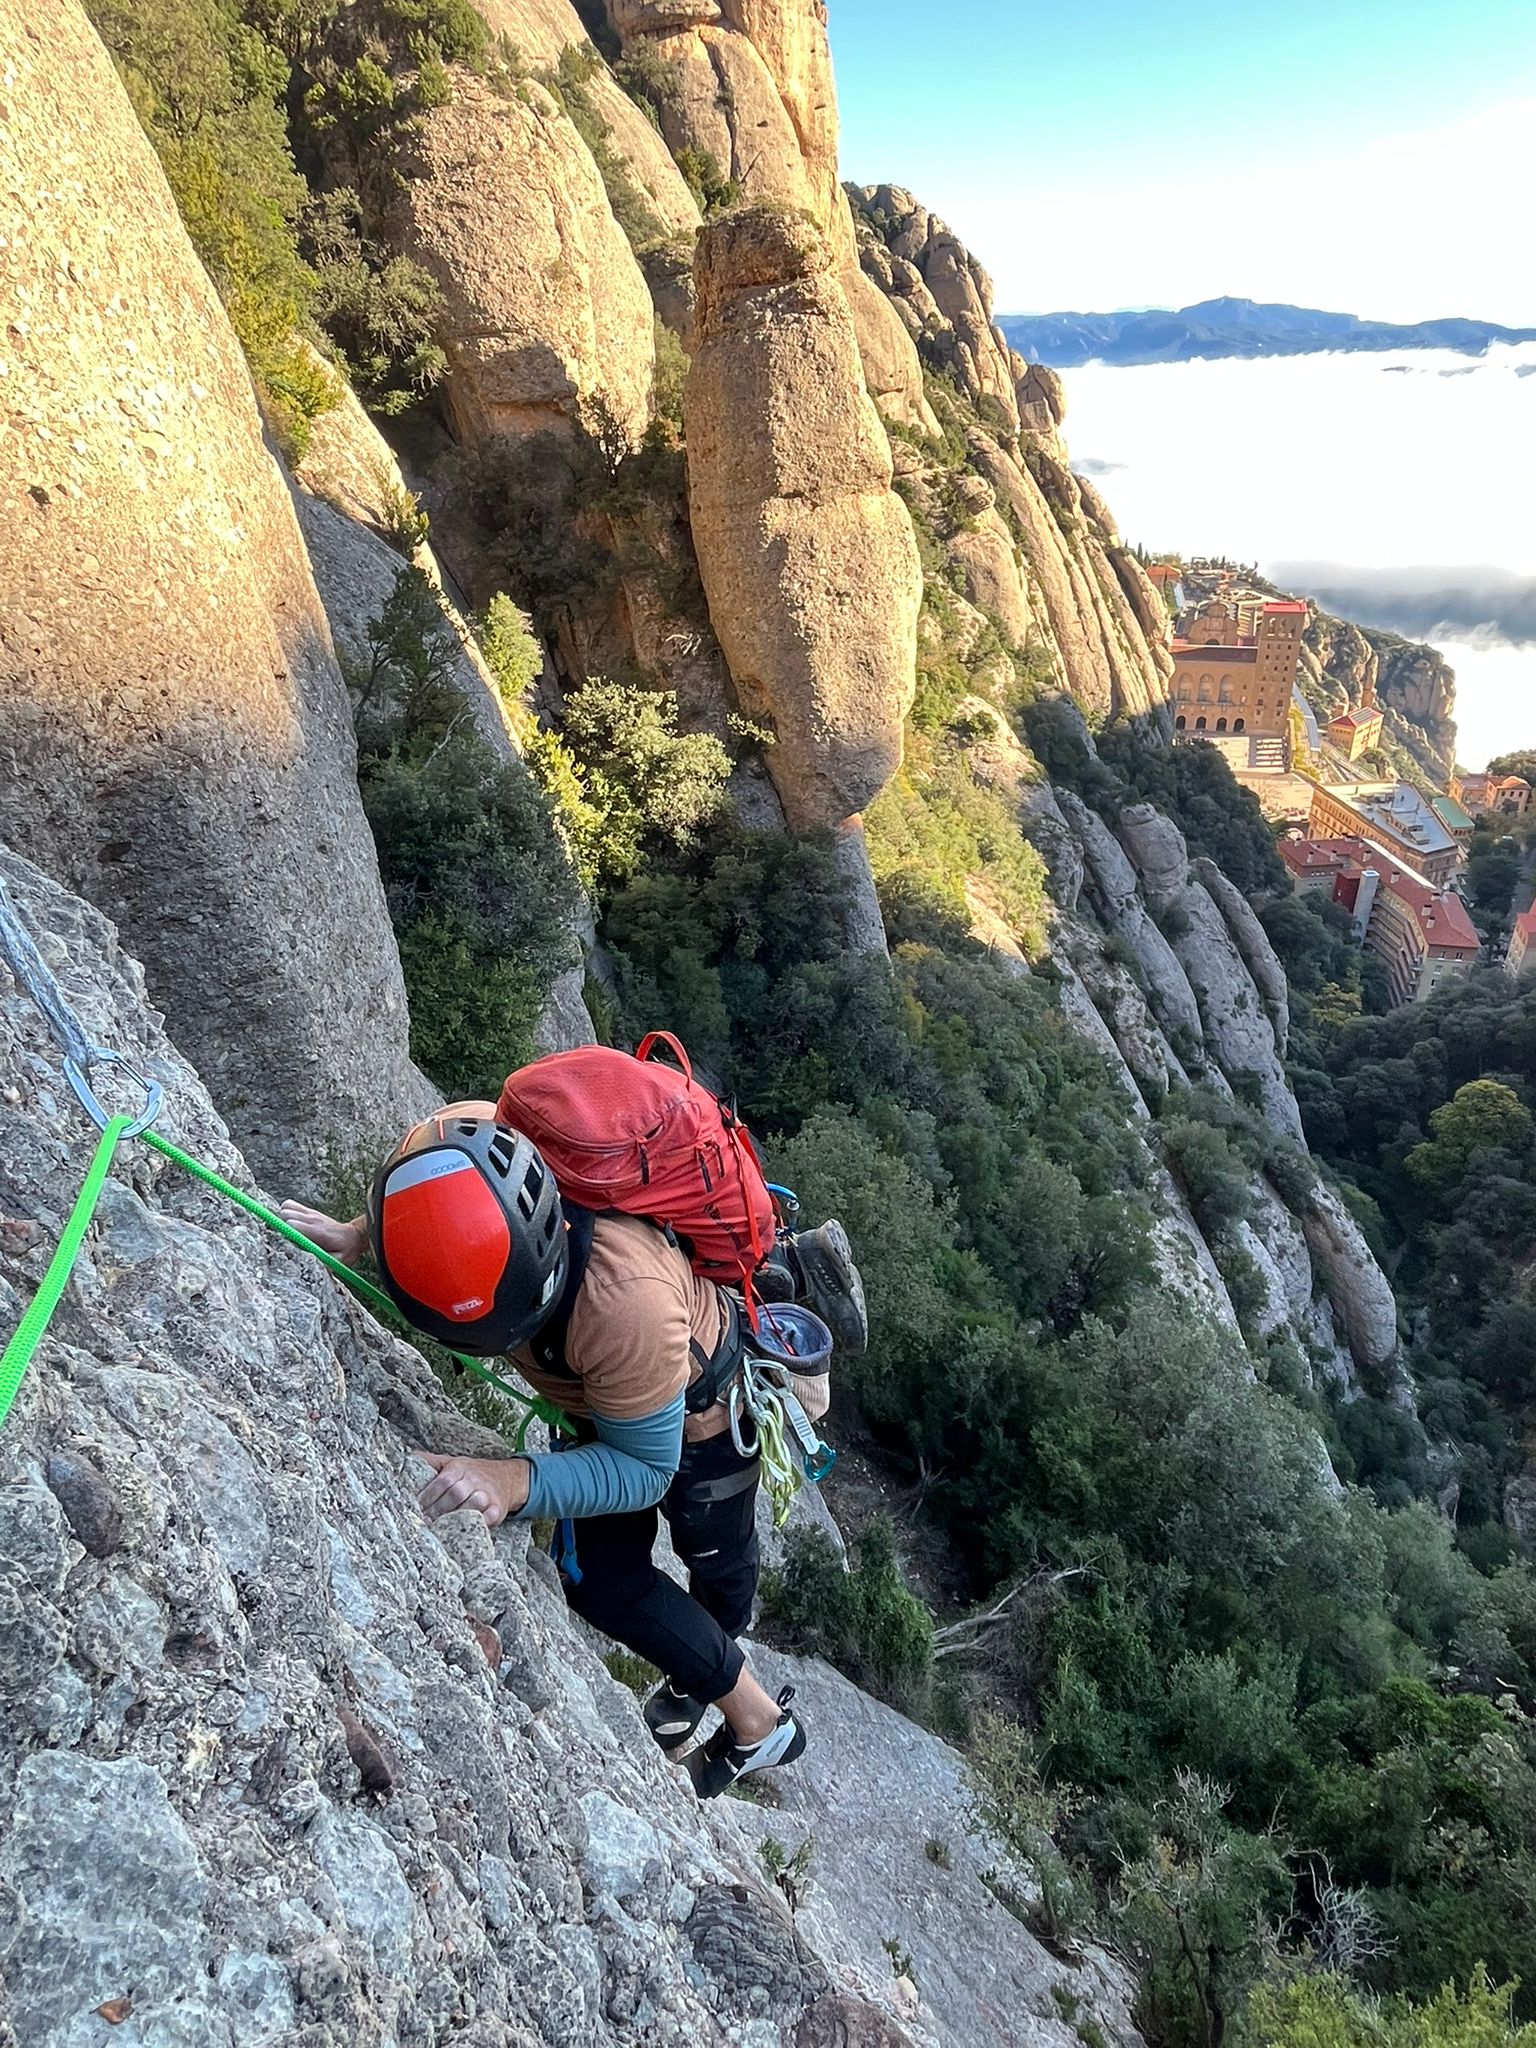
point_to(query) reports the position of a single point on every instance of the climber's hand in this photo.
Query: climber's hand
(345, 1241)
(498, 1487)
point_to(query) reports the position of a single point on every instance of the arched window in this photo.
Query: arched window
(1180, 722)
(1221, 725)
(1238, 724)
(1207, 689)
(1225, 696)
(1199, 725)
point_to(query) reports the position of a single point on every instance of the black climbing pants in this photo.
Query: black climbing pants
(690, 1637)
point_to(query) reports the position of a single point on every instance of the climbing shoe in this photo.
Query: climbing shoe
(722, 1760)
(816, 1267)
(672, 1716)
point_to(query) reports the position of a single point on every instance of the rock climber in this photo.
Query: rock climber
(646, 1352)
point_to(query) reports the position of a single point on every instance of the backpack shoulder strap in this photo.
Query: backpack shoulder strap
(547, 1347)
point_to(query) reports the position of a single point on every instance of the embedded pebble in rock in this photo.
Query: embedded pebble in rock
(263, 1784)
(94, 1516)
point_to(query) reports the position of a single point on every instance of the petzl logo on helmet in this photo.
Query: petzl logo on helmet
(467, 1308)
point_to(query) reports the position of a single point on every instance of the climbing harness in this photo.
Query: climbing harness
(80, 1056)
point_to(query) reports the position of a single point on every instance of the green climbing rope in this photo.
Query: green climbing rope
(17, 1355)
(375, 1297)
(18, 949)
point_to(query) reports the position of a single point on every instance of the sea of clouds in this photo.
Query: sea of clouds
(1399, 490)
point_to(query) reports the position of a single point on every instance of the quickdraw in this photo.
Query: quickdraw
(762, 1398)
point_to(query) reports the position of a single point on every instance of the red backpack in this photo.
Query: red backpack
(625, 1131)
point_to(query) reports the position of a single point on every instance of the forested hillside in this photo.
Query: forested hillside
(701, 592)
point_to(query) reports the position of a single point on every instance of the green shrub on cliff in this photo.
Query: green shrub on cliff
(480, 889)
(1327, 2011)
(714, 189)
(861, 1617)
(207, 89)
(226, 93)
(569, 83)
(650, 783)
(379, 310)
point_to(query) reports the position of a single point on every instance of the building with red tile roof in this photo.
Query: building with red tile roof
(1422, 934)
(1508, 794)
(1356, 732)
(1521, 957)
(1234, 665)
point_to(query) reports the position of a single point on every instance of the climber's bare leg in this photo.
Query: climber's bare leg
(752, 1714)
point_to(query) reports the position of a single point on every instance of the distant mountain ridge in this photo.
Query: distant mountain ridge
(1231, 327)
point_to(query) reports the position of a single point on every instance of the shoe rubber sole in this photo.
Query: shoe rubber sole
(672, 1718)
(833, 1283)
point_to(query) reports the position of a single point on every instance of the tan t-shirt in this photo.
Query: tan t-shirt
(639, 1304)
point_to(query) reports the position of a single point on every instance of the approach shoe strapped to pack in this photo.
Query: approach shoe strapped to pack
(816, 1268)
(722, 1760)
(672, 1716)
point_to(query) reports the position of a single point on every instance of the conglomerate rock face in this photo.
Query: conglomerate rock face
(1238, 1028)
(350, 496)
(547, 321)
(177, 738)
(1047, 563)
(1206, 1003)
(749, 89)
(807, 555)
(750, 85)
(283, 1766)
(541, 31)
(1252, 942)
(941, 294)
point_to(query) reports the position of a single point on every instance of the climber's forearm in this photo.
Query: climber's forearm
(630, 1467)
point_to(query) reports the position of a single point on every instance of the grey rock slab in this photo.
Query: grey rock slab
(1252, 942)
(189, 1826)
(873, 1790)
(373, 1897)
(110, 1892)
(624, 1852)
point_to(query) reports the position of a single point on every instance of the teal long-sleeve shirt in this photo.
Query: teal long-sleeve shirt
(629, 1467)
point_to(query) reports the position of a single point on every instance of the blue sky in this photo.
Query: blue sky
(1374, 156)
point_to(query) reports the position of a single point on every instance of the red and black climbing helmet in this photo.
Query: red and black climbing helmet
(468, 1232)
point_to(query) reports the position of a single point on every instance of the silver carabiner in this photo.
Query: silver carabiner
(733, 1412)
(77, 1073)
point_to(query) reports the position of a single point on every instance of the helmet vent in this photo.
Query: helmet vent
(528, 1193)
(502, 1149)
